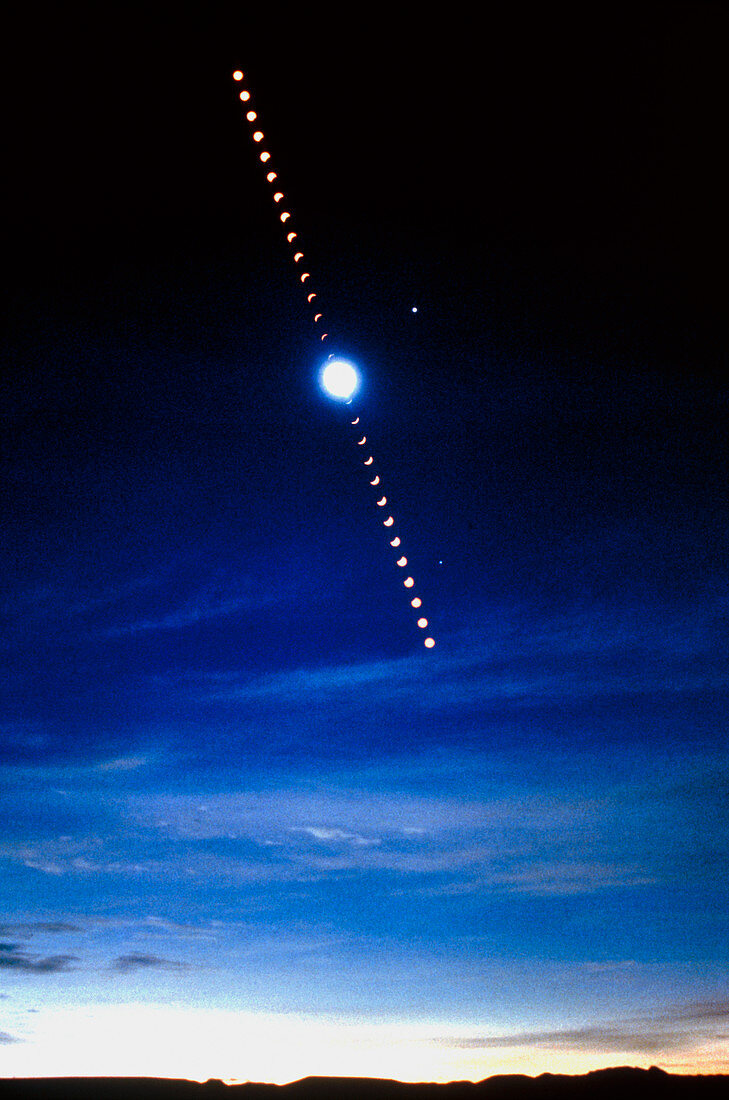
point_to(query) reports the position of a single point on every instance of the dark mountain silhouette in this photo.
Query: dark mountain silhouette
(621, 1083)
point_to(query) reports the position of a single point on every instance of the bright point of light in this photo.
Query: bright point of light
(251, 116)
(408, 582)
(416, 602)
(237, 75)
(414, 309)
(429, 643)
(339, 379)
(422, 623)
(245, 96)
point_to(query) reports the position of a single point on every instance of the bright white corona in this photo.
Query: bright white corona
(340, 379)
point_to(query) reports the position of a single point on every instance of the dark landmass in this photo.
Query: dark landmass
(621, 1083)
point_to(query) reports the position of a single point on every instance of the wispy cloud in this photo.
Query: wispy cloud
(640, 1035)
(559, 878)
(319, 832)
(84, 855)
(518, 659)
(126, 964)
(5, 1038)
(61, 774)
(14, 957)
(441, 844)
(200, 608)
(277, 814)
(173, 598)
(29, 928)
(596, 1040)
(704, 1010)
(445, 844)
(55, 602)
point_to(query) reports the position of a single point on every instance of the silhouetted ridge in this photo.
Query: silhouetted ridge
(621, 1083)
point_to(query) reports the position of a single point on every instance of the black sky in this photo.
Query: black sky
(595, 132)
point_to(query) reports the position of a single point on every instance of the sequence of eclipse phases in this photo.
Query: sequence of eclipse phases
(339, 378)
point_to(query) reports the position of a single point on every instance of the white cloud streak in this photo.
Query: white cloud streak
(425, 845)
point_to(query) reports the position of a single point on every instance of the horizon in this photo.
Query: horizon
(639, 1073)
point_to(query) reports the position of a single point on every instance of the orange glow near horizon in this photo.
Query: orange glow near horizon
(174, 1041)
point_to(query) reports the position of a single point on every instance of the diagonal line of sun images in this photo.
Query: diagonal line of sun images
(339, 378)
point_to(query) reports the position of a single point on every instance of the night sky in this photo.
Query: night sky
(251, 828)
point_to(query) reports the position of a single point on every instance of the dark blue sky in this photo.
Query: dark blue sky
(244, 811)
